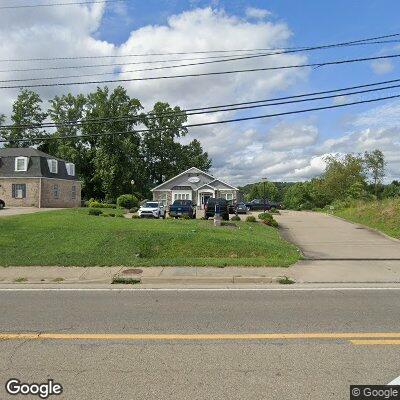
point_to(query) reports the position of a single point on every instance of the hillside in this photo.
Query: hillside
(383, 215)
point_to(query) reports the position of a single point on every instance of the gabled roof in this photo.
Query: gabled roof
(224, 183)
(190, 170)
(206, 184)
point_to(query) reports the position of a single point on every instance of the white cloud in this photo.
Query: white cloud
(287, 136)
(257, 13)
(381, 67)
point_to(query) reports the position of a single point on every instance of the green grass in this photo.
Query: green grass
(382, 215)
(74, 238)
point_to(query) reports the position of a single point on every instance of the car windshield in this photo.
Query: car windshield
(150, 204)
(182, 202)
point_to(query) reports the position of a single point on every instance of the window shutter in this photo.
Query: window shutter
(23, 191)
(13, 191)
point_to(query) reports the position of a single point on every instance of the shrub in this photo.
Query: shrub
(127, 201)
(133, 210)
(273, 210)
(105, 215)
(268, 219)
(235, 218)
(135, 216)
(111, 215)
(286, 281)
(250, 218)
(92, 203)
(93, 211)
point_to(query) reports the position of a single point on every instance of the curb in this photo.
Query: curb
(207, 279)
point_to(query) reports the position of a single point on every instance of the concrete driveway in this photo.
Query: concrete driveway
(339, 251)
(10, 211)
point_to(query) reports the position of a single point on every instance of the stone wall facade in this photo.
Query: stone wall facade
(161, 195)
(42, 192)
(32, 197)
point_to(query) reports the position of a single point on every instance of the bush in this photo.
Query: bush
(135, 216)
(273, 210)
(268, 219)
(133, 210)
(111, 215)
(92, 203)
(127, 201)
(105, 215)
(235, 218)
(93, 211)
(250, 218)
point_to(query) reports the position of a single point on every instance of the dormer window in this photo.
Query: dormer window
(21, 164)
(70, 169)
(53, 166)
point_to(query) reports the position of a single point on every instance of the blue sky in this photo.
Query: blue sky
(287, 148)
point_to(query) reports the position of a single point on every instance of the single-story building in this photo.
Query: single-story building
(196, 185)
(31, 178)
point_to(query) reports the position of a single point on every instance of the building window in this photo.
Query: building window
(163, 199)
(70, 169)
(56, 191)
(73, 192)
(229, 196)
(53, 166)
(182, 196)
(21, 164)
(19, 191)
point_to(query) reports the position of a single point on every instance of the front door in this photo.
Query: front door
(204, 198)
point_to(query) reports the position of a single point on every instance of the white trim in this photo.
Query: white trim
(25, 160)
(206, 184)
(70, 167)
(227, 184)
(182, 173)
(53, 165)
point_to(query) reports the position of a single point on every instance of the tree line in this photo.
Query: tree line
(346, 178)
(107, 158)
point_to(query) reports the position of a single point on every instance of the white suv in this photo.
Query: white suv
(151, 209)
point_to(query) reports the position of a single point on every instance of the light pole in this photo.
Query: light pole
(133, 185)
(264, 180)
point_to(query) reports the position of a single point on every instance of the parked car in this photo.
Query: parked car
(2, 204)
(152, 209)
(181, 208)
(258, 205)
(220, 204)
(241, 208)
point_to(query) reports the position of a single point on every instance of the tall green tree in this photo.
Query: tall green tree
(160, 149)
(26, 117)
(375, 165)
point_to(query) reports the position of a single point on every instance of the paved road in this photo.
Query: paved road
(200, 367)
(321, 236)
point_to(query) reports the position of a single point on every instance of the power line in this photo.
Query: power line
(219, 108)
(57, 4)
(337, 62)
(45, 138)
(252, 56)
(222, 58)
(193, 52)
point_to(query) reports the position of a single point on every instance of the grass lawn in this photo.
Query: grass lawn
(382, 215)
(74, 238)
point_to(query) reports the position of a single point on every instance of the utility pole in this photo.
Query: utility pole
(264, 180)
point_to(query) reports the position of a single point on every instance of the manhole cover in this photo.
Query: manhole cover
(132, 271)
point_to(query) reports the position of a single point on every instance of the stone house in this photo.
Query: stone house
(196, 185)
(31, 178)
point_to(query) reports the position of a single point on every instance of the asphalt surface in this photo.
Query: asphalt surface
(281, 368)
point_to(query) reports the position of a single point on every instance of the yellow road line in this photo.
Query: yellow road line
(375, 342)
(210, 336)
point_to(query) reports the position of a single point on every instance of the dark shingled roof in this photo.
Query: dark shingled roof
(37, 166)
(181, 188)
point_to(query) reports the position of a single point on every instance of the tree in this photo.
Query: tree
(257, 191)
(161, 151)
(27, 117)
(297, 197)
(375, 165)
(340, 174)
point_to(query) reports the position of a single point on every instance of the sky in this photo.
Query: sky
(283, 148)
